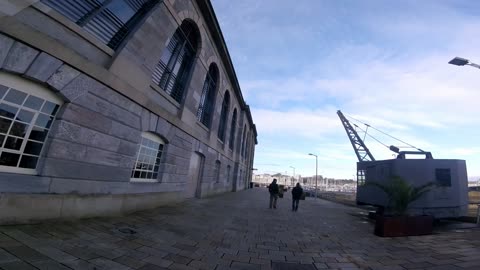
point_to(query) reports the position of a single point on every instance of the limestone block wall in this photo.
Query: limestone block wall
(110, 101)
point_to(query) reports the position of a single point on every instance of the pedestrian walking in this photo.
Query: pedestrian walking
(273, 189)
(297, 192)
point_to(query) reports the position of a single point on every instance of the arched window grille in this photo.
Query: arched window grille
(233, 126)
(207, 100)
(247, 143)
(223, 117)
(108, 20)
(242, 149)
(176, 62)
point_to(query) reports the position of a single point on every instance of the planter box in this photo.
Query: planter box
(395, 226)
(419, 225)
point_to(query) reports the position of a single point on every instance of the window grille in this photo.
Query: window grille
(232, 129)
(207, 100)
(223, 117)
(176, 62)
(228, 173)
(108, 20)
(25, 120)
(148, 158)
(242, 150)
(361, 177)
(217, 171)
(247, 144)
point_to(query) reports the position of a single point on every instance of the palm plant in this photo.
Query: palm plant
(401, 194)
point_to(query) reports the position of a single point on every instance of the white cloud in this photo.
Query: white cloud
(388, 69)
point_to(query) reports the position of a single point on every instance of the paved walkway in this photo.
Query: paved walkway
(232, 231)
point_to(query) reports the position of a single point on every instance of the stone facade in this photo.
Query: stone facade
(85, 166)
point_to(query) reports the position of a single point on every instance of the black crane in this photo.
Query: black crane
(361, 150)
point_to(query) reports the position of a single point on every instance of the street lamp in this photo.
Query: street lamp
(316, 173)
(293, 174)
(458, 61)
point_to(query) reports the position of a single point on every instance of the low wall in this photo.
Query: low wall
(31, 208)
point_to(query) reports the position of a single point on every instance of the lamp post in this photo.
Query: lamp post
(293, 179)
(458, 61)
(316, 173)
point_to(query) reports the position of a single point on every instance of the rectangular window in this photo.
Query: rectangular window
(217, 172)
(360, 177)
(228, 173)
(148, 158)
(443, 177)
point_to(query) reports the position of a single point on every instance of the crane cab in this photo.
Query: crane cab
(449, 197)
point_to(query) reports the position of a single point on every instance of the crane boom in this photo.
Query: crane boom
(361, 150)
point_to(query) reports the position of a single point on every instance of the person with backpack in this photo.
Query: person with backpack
(273, 189)
(297, 192)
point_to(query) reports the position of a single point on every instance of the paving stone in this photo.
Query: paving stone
(83, 265)
(237, 258)
(292, 266)
(108, 264)
(50, 265)
(177, 259)
(130, 262)
(177, 266)
(17, 266)
(27, 254)
(6, 257)
(158, 261)
(245, 266)
(55, 254)
(82, 253)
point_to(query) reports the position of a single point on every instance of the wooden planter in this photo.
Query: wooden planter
(394, 226)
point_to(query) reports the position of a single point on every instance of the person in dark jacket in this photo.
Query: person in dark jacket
(297, 192)
(273, 189)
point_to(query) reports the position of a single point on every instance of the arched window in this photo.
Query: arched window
(176, 62)
(148, 158)
(27, 111)
(207, 100)
(108, 20)
(242, 150)
(223, 117)
(233, 126)
(247, 143)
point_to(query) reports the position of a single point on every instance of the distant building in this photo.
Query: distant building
(109, 107)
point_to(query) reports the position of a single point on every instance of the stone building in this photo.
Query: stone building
(112, 106)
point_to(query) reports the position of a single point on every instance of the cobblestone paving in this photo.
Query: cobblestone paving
(232, 231)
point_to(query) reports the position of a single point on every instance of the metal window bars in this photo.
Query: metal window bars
(207, 99)
(173, 69)
(223, 117)
(110, 20)
(232, 129)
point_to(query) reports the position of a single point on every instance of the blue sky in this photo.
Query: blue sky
(383, 62)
